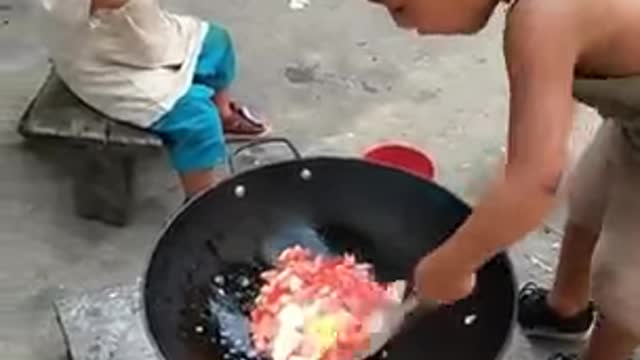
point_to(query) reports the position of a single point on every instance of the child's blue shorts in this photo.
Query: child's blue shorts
(192, 130)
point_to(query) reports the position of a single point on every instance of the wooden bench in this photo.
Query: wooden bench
(105, 150)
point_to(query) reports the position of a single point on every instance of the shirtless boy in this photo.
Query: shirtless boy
(555, 51)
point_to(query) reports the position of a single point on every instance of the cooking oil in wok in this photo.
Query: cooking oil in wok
(232, 295)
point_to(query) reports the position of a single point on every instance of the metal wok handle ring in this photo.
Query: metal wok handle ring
(261, 142)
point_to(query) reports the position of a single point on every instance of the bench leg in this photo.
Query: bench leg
(103, 186)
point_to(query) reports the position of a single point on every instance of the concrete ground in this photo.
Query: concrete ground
(334, 78)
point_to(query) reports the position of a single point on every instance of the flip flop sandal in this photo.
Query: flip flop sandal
(244, 124)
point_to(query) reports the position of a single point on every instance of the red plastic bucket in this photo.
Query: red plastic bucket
(403, 157)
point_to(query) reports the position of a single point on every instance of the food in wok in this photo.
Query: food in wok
(319, 308)
(203, 277)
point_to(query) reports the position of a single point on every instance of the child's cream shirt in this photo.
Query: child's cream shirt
(132, 63)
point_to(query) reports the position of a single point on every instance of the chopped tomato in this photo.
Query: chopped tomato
(337, 292)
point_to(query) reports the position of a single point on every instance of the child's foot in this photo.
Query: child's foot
(538, 319)
(242, 123)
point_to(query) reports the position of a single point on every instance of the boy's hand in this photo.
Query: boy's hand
(440, 278)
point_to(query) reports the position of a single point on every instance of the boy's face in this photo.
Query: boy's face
(440, 16)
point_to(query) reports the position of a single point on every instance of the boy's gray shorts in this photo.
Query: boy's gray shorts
(604, 194)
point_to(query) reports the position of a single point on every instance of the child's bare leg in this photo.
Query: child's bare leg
(565, 312)
(610, 342)
(222, 99)
(616, 262)
(572, 287)
(588, 198)
(195, 182)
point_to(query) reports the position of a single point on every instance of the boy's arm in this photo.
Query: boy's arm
(541, 54)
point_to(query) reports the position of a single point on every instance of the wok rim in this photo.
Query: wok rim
(181, 209)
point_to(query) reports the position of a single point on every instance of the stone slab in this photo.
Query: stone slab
(106, 324)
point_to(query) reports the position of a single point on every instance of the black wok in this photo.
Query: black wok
(384, 216)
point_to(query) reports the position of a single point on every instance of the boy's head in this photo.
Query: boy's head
(441, 16)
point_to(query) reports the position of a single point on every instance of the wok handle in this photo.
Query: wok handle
(260, 142)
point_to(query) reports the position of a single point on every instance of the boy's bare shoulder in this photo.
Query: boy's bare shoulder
(600, 35)
(539, 20)
(542, 32)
